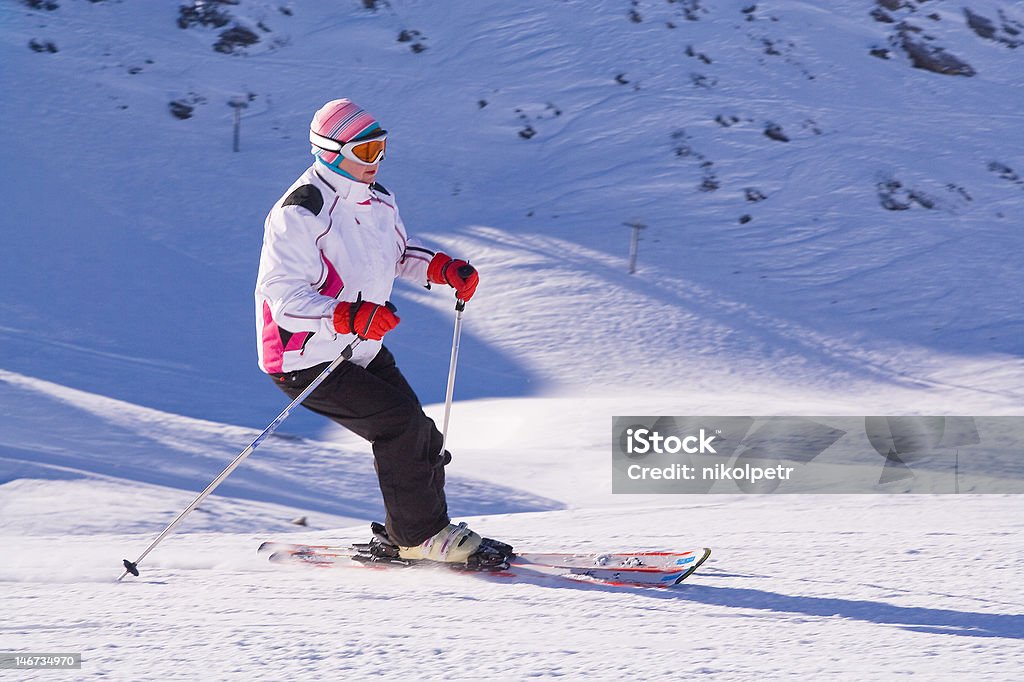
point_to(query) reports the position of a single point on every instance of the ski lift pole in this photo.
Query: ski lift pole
(237, 103)
(460, 305)
(133, 566)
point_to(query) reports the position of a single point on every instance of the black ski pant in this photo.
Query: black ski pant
(378, 404)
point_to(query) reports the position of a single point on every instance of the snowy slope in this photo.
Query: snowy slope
(834, 588)
(830, 230)
(150, 229)
(798, 585)
(89, 439)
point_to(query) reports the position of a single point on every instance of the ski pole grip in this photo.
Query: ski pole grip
(460, 305)
(391, 306)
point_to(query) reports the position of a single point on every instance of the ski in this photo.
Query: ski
(647, 569)
(640, 568)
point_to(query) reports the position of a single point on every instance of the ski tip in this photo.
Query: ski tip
(271, 546)
(706, 552)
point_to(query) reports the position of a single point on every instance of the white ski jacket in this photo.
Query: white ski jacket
(328, 239)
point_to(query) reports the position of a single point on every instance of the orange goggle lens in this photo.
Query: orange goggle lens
(370, 151)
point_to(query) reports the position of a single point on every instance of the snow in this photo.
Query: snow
(772, 279)
(841, 587)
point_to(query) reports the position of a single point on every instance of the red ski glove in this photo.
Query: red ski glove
(364, 319)
(458, 274)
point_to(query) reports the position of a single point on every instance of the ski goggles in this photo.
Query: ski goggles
(365, 151)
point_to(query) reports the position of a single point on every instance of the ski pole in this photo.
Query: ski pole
(460, 305)
(133, 566)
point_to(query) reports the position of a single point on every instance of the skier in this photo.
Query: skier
(332, 248)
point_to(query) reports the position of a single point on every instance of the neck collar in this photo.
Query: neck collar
(343, 185)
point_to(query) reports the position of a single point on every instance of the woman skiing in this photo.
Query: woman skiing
(333, 246)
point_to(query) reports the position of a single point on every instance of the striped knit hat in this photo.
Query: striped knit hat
(342, 121)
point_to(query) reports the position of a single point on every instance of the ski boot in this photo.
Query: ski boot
(455, 545)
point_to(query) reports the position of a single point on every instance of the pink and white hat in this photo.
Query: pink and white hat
(340, 121)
